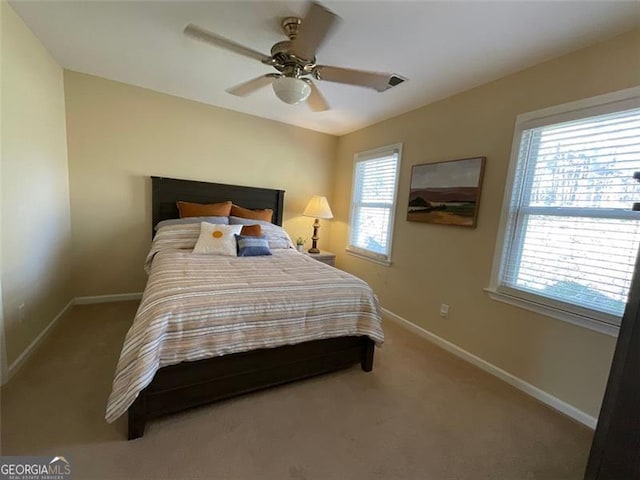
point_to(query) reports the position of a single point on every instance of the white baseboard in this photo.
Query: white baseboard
(535, 392)
(118, 297)
(18, 362)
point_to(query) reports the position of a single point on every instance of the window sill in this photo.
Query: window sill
(386, 263)
(574, 319)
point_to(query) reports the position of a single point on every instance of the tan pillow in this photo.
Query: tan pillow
(188, 209)
(251, 230)
(265, 215)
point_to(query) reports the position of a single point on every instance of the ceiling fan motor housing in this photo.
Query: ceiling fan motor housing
(284, 61)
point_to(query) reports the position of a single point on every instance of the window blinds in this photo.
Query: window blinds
(572, 238)
(373, 203)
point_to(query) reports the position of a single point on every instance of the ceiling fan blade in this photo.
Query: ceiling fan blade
(210, 37)
(316, 100)
(314, 30)
(246, 88)
(377, 80)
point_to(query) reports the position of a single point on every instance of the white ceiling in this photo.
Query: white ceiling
(441, 47)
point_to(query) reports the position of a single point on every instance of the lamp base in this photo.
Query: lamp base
(314, 240)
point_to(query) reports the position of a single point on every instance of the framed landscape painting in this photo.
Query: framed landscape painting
(446, 193)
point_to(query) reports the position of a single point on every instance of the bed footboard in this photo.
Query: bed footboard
(190, 384)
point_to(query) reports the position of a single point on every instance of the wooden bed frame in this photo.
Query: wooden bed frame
(189, 384)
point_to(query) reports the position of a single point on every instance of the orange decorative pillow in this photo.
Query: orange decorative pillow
(188, 209)
(251, 230)
(265, 215)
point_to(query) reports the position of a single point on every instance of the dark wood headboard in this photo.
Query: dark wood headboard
(167, 191)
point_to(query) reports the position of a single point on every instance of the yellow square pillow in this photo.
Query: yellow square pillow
(217, 239)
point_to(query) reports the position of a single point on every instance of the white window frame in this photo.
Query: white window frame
(363, 157)
(599, 105)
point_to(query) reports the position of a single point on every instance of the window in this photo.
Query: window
(569, 236)
(373, 202)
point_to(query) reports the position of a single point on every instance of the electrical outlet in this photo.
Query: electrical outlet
(444, 310)
(21, 312)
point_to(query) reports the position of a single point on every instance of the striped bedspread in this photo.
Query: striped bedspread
(201, 306)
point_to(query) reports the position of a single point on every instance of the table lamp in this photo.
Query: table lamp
(318, 208)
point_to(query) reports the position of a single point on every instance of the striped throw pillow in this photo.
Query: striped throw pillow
(249, 246)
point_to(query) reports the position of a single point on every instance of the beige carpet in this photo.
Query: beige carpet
(421, 414)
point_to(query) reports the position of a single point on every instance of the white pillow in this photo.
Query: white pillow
(217, 239)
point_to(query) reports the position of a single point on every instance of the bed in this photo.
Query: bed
(192, 383)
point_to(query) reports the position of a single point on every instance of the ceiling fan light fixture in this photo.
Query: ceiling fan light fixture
(291, 90)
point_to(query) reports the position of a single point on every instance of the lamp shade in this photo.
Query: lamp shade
(318, 207)
(291, 90)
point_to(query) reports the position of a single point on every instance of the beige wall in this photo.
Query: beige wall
(119, 135)
(36, 231)
(438, 264)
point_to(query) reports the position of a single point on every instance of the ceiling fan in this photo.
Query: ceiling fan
(295, 61)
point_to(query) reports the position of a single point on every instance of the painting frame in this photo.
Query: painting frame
(446, 192)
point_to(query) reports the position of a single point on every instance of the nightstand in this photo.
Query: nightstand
(324, 257)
